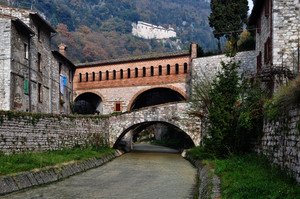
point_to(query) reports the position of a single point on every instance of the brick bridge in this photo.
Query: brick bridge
(123, 127)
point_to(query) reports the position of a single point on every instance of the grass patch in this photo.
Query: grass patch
(27, 161)
(249, 176)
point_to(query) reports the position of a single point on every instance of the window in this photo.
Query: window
(144, 71)
(93, 76)
(136, 72)
(258, 25)
(39, 62)
(267, 8)
(86, 77)
(107, 75)
(258, 66)
(159, 70)
(267, 54)
(176, 68)
(59, 67)
(40, 92)
(70, 76)
(121, 74)
(152, 71)
(128, 73)
(25, 51)
(26, 86)
(168, 69)
(80, 77)
(185, 68)
(100, 76)
(114, 74)
(118, 107)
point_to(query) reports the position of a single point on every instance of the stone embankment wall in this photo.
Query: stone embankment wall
(25, 180)
(20, 132)
(281, 143)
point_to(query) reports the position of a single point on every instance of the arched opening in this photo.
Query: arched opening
(176, 68)
(144, 71)
(156, 96)
(100, 76)
(152, 71)
(88, 103)
(114, 74)
(93, 76)
(107, 75)
(160, 70)
(128, 73)
(86, 77)
(168, 69)
(155, 132)
(121, 74)
(136, 72)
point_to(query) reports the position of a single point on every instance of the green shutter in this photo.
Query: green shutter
(26, 88)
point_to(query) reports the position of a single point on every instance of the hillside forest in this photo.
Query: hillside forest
(101, 29)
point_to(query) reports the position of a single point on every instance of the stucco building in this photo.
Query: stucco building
(28, 73)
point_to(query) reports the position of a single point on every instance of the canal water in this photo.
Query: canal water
(148, 172)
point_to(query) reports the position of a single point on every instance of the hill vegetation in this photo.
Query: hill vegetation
(101, 29)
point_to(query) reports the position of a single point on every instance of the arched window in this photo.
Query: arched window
(93, 76)
(168, 69)
(100, 76)
(144, 71)
(152, 71)
(86, 77)
(80, 77)
(159, 70)
(121, 74)
(128, 73)
(185, 68)
(114, 74)
(136, 72)
(176, 69)
(107, 75)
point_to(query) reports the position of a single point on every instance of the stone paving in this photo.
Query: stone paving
(148, 172)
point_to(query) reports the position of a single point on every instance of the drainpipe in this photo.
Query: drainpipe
(51, 73)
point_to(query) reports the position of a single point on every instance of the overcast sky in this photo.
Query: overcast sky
(250, 3)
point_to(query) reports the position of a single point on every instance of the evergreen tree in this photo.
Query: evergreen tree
(227, 18)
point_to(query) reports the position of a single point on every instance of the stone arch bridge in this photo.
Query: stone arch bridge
(123, 127)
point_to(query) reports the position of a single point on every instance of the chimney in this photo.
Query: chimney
(194, 50)
(62, 49)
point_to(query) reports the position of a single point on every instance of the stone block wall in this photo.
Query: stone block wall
(286, 27)
(281, 146)
(21, 132)
(5, 69)
(211, 65)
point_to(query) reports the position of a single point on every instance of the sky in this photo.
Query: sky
(250, 3)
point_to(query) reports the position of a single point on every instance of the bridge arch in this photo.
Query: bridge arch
(186, 140)
(172, 114)
(143, 95)
(88, 102)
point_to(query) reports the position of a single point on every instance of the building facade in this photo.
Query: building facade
(277, 39)
(27, 66)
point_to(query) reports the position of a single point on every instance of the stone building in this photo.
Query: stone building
(126, 84)
(277, 39)
(27, 64)
(150, 31)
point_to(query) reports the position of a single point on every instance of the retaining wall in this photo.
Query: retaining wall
(21, 132)
(281, 143)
